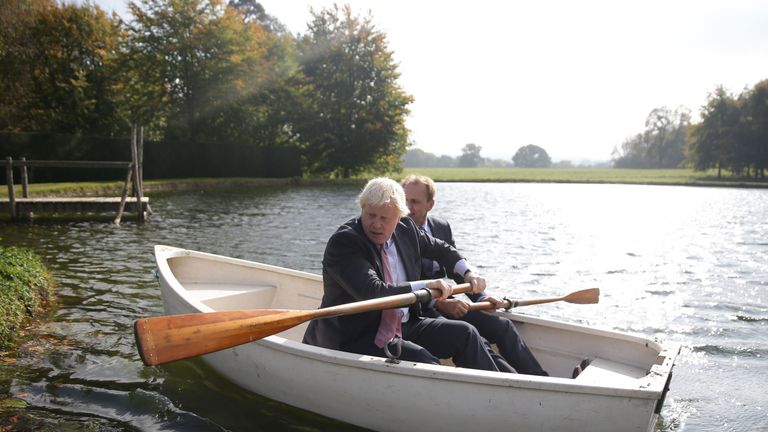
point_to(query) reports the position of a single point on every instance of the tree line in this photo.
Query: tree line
(206, 71)
(527, 156)
(732, 135)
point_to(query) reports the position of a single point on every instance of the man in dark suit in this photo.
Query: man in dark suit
(383, 243)
(420, 198)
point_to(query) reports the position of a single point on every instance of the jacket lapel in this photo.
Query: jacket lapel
(408, 252)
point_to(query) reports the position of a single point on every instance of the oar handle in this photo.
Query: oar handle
(389, 302)
(486, 305)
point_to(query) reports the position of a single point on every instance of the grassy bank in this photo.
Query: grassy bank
(26, 289)
(587, 175)
(112, 188)
(538, 175)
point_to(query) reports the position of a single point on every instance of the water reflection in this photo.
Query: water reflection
(686, 264)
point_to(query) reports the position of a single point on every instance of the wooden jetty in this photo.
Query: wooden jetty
(26, 207)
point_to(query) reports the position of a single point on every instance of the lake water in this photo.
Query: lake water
(684, 264)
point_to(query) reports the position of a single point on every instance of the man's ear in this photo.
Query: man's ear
(430, 204)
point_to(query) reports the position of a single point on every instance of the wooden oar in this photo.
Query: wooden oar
(585, 296)
(169, 338)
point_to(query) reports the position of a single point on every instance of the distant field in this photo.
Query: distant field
(542, 175)
(585, 175)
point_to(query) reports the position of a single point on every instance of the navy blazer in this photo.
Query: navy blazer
(352, 272)
(441, 229)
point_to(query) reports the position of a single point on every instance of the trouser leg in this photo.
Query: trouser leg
(502, 332)
(450, 339)
(410, 351)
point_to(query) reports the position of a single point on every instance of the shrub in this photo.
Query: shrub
(26, 288)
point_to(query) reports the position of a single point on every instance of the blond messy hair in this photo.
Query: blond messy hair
(383, 191)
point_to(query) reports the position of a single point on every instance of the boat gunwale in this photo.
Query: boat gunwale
(650, 386)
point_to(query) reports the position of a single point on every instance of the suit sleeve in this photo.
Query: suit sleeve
(459, 279)
(350, 261)
(438, 250)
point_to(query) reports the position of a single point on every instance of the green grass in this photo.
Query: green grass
(585, 175)
(115, 188)
(539, 175)
(26, 288)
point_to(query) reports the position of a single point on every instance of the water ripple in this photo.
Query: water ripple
(680, 264)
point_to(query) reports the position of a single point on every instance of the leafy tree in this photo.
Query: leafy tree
(531, 156)
(253, 11)
(665, 132)
(632, 153)
(713, 139)
(55, 68)
(200, 59)
(470, 156)
(755, 125)
(421, 159)
(661, 145)
(354, 108)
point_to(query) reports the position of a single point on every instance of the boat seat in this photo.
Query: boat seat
(601, 371)
(232, 296)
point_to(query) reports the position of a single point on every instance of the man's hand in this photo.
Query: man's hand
(445, 289)
(452, 308)
(497, 304)
(477, 282)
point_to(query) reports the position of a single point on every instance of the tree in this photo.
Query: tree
(755, 124)
(470, 156)
(632, 153)
(55, 68)
(665, 132)
(253, 11)
(531, 156)
(199, 60)
(354, 108)
(712, 140)
(661, 145)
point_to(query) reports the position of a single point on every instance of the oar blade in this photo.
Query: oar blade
(165, 339)
(585, 296)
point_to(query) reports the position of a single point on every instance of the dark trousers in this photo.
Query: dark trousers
(502, 332)
(426, 340)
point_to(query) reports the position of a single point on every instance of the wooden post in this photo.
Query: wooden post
(124, 195)
(140, 151)
(24, 179)
(9, 180)
(136, 186)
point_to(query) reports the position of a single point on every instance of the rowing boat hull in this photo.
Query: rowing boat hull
(623, 388)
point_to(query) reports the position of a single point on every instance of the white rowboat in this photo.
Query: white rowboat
(622, 389)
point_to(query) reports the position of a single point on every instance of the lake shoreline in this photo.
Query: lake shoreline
(446, 175)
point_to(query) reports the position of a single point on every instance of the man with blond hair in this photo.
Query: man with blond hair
(378, 254)
(420, 197)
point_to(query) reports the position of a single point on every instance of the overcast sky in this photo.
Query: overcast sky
(574, 77)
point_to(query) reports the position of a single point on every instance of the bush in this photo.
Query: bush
(26, 288)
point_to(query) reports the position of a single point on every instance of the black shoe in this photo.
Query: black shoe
(580, 368)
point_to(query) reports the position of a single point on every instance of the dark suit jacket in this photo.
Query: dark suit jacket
(352, 272)
(441, 229)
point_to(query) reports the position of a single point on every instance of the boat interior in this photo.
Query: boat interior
(225, 285)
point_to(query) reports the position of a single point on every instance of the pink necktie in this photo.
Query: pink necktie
(391, 319)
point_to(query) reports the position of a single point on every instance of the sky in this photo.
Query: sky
(576, 78)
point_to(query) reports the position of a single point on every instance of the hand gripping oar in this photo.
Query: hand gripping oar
(169, 338)
(585, 296)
